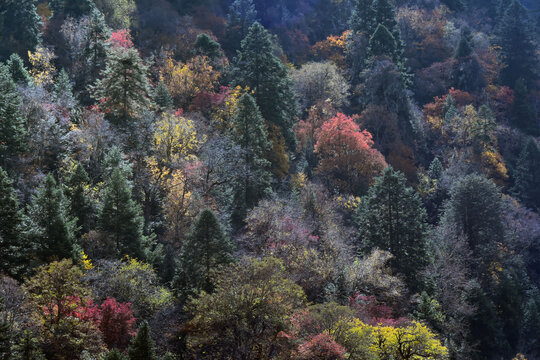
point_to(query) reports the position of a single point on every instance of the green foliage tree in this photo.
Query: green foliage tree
(114, 354)
(391, 218)
(204, 250)
(74, 8)
(258, 68)
(142, 346)
(527, 175)
(522, 113)
(6, 334)
(124, 88)
(241, 16)
(95, 50)
(515, 38)
(53, 228)
(363, 17)
(382, 42)
(13, 252)
(120, 217)
(63, 90)
(19, 27)
(205, 45)
(18, 71)
(12, 132)
(464, 47)
(162, 97)
(81, 205)
(28, 347)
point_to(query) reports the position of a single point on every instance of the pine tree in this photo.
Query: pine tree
(54, 229)
(120, 216)
(19, 27)
(18, 71)
(522, 113)
(382, 42)
(167, 269)
(80, 204)
(527, 175)
(242, 15)
(205, 45)
(74, 8)
(13, 254)
(518, 52)
(258, 68)
(63, 91)
(205, 249)
(435, 169)
(391, 218)
(385, 14)
(95, 50)
(363, 18)
(12, 132)
(124, 87)
(142, 346)
(249, 131)
(162, 97)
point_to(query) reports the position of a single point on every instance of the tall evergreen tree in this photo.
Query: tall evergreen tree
(12, 132)
(6, 335)
(13, 254)
(241, 16)
(205, 249)
(124, 87)
(464, 48)
(63, 91)
(19, 27)
(162, 97)
(527, 175)
(522, 113)
(258, 68)
(205, 45)
(142, 345)
(73, 8)
(80, 204)
(18, 71)
(363, 17)
(28, 348)
(52, 226)
(96, 44)
(518, 51)
(249, 131)
(120, 216)
(114, 354)
(382, 42)
(391, 218)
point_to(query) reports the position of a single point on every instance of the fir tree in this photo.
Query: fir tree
(162, 97)
(522, 113)
(518, 52)
(12, 132)
(527, 175)
(258, 68)
(167, 269)
(249, 131)
(54, 229)
(205, 249)
(435, 169)
(391, 218)
(13, 254)
(142, 346)
(205, 45)
(382, 42)
(363, 17)
(95, 50)
(73, 8)
(63, 90)
(18, 71)
(19, 27)
(242, 15)
(80, 204)
(124, 87)
(464, 48)
(120, 216)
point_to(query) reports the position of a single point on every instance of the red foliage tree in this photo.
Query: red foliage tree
(116, 322)
(348, 161)
(320, 347)
(121, 38)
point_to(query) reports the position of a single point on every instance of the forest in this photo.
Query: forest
(269, 179)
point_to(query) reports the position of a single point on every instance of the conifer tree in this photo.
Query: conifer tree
(391, 218)
(258, 68)
(18, 71)
(13, 254)
(435, 169)
(162, 97)
(19, 27)
(518, 52)
(95, 50)
(205, 45)
(241, 16)
(142, 346)
(455, 5)
(52, 226)
(6, 335)
(12, 132)
(74, 8)
(80, 204)
(249, 131)
(363, 17)
(385, 14)
(63, 90)
(382, 42)
(124, 87)
(28, 348)
(522, 113)
(527, 175)
(464, 48)
(114, 354)
(205, 249)
(120, 216)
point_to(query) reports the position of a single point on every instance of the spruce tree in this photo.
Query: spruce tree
(12, 132)
(18, 71)
(96, 44)
(205, 249)
(249, 131)
(435, 169)
(205, 45)
(19, 27)
(518, 51)
(527, 175)
(391, 218)
(363, 18)
(464, 48)
(142, 345)
(124, 87)
(162, 97)
(74, 8)
(522, 113)
(53, 228)
(241, 16)
(258, 68)
(120, 216)
(63, 91)
(80, 203)
(13, 254)
(385, 14)
(382, 42)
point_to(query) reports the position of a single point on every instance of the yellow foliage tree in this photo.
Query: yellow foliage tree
(175, 138)
(43, 69)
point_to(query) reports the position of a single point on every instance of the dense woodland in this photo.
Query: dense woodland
(269, 179)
